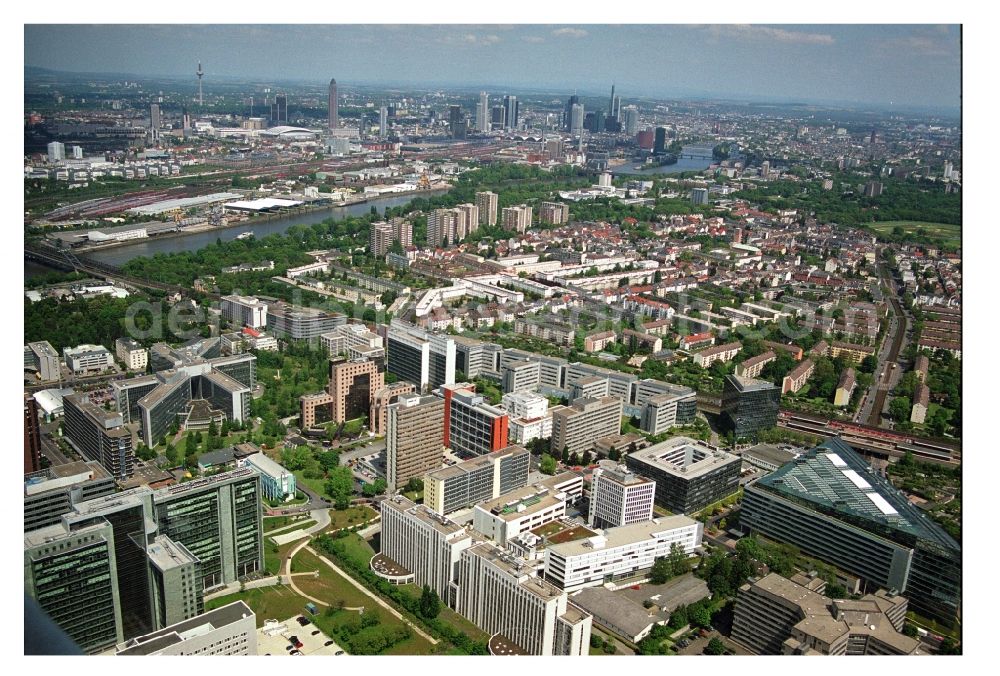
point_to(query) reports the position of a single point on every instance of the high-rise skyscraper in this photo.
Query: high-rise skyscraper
(279, 110)
(383, 122)
(32, 436)
(576, 119)
(486, 202)
(611, 103)
(483, 112)
(568, 112)
(510, 112)
(497, 117)
(456, 122)
(660, 146)
(332, 98)
(630, 120)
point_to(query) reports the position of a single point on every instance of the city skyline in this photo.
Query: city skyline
(830, 64)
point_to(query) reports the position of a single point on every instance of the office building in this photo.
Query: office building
(279, 110)
(619, 553)
(517, 512)
(670, 409)
(776, 616)
(174, 573)
(42, 358)
(228, 630)
(576, 119)
(620, 384)
(553, 213)
(349, 394)
(748, 405)
(194, 395)
(425, 359)
(660, 143)
(414, 438)
(88, 359)
(520, 376)
(52, 492)
(381, 400)
(56, 151)
(72, 576)
(98, 435)
(456, 122)
(619, 497)
(690, 475)
(592, 387)
(423, 542)
(798, 376)
(471, 425)
(219, 519)
(301, 323)
(831, 505)
(567, 115)
(483, 113)
(242, 311)
(276, 482)
(499, 594)
(333, 121)
(516, 218)
(154, 122)
(873, 189)
(483, 478)
(470, 217)
(486, 202)
(473, 357)
(32, 436)
(630, 120)
(132, 355)
(511, 112)
(576, 427)
(552, 370)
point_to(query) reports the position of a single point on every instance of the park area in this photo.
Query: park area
(950, 234)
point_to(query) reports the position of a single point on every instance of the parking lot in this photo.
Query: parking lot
(275, 639)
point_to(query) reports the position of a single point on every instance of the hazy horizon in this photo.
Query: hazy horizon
(881, 66)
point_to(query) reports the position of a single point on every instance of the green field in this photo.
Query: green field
(950, 233)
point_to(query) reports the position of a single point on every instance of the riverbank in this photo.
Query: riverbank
(249, 223)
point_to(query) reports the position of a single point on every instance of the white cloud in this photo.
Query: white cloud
(469, 39)
(747, 31)
(533, 39)
(570, 32)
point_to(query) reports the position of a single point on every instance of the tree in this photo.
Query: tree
(948, 647)
(430, 604)
(340, 486)
(574, 458)
(677, 560)
(587, 458)
(191, 461)
(414, 485)
(679, 617)
(547, 465)
(869, 364)
(172, 455)
(662, 571)
(899, 409)
(699, 616)
(715, 647)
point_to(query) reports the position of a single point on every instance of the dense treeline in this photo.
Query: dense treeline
(900, 200)
(100, 321)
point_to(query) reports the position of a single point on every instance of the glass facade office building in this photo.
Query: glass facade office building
(749, 405)
(830, 504)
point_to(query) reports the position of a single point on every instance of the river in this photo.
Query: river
(120, 255)
(699, 163)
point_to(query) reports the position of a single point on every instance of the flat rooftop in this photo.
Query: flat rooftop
(521, 502)
(195, 626)
(621, 536)
(165, 554)
(684, 457)
(425, 514)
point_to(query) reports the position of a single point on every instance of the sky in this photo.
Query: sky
(875, 65)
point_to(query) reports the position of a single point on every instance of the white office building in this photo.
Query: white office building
(228, 630)
(500, 594)
(520, 511)
(88, 359)
(619, 497)
(426, 544)
(134, 356)
(619, 553)
(243, 311)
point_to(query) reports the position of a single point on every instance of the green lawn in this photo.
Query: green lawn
(298, 525)
(273, 559)
(271, 603)
(952, 234)
(273, 523)
(330, 586)
(352, 516)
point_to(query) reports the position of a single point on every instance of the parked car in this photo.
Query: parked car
(315, 632)
(328, 643)
(302, 620)
(295, 652)
(339, 652)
